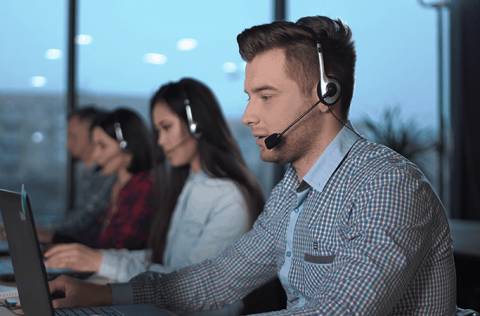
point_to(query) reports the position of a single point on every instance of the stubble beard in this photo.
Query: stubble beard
(286, 152)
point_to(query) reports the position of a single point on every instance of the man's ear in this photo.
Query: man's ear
(314, 97)
(324, 108)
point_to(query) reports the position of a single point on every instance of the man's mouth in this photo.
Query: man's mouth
(260, 140)
(260, 137)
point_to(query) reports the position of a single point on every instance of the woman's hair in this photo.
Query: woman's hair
(219, 154)
(129, 130)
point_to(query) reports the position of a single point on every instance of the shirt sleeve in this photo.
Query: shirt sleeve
(394, 218)
(121, 265)
(242, 267)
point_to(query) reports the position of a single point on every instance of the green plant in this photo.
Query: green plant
(405, 137)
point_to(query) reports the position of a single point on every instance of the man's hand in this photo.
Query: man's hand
(73, 256)
(79, 293)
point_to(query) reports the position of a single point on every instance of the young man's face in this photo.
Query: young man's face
(275, 101)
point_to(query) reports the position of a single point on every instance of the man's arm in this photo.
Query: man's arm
(244, 266)
(211, 284)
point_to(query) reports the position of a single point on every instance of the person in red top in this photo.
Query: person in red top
(127, 221)
(123, 147)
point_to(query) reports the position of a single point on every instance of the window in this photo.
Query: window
(130, 48)
(32, 106)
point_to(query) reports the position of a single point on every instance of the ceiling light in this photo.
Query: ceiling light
(155, 58)
(83, 39)
(38, 81)
(53, 53)
(186, 44)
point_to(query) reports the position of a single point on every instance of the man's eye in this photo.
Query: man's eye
(265, 97)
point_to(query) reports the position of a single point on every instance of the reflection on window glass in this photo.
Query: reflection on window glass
(32, 107)
(134, 47)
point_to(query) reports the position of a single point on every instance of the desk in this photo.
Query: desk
(5, 312)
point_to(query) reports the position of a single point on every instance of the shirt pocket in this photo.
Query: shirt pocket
(316, 267)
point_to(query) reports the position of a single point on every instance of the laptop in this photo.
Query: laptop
(30, 273)
(3, 248)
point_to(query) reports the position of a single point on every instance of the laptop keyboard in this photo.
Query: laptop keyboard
(89, 311)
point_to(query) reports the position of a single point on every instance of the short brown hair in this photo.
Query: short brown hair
(298, 41)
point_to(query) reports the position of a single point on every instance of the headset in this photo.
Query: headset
(119, 135)
(328, 88)
(192, 124)
(328, 91)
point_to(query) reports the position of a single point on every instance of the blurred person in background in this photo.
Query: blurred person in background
(92, 189)
(123, 148)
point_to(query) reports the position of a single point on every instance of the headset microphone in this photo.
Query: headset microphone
(276, 138)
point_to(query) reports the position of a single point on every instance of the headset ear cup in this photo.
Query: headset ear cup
(192, 124)
(123, 144)
(332, 93)
(328, 88)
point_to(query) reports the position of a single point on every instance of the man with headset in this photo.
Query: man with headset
(352, 228)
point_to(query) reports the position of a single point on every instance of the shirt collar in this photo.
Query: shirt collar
(319, 174)
(198, 176)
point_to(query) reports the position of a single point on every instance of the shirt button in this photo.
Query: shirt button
(289, 253)
(296, 210)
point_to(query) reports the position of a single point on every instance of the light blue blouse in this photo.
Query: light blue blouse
(210, 215)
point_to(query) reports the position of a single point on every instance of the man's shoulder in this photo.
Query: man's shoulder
(369, 159)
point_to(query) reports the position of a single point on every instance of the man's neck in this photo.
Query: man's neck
(304, 163)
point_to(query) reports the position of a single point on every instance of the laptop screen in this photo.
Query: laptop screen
(25, 253)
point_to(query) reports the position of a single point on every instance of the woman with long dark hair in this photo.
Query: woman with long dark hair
(207, 197)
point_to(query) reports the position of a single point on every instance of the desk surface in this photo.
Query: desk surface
(5, 312)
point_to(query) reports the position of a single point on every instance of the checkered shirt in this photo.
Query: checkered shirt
(372, 240)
